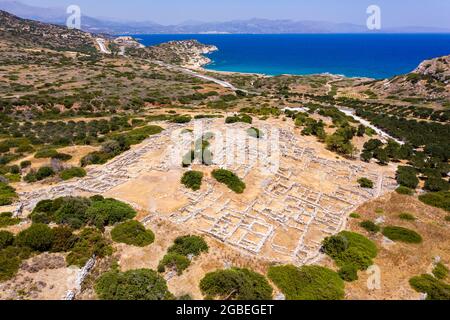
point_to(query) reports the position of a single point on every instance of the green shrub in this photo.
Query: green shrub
(407, 216)
(72, 212)
(434, 288)
(132, 233)
(307, 282)
(30, 177)
(236, 284)
(109, 212)
(25, 164)
(70, 173)
(7, 194)
(10, 260)
(401, 234)
(369, 226)
(174, 261)
(62, 156)
(365, 183)
(436, 184)
(243, 118)
(45, 153)
(355, 215)
(63, 239)
(192, 180)
(447, 218)
(440, 271)
(181, 119)
(44, 172)
(187, 245)
(407, 177)
(6, 239)
(231, 180)
(348, 248)
(90, 242)
(6, 220)
(437, 199)
(142, 284)
(348, 273)
(38, 237)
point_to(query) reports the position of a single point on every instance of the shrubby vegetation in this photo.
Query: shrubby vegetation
(402, 234)
(109, 212)
(6, 220)
(119, 143)
(7, 194)
(406, 216)
(437, 199)
(239, 118)
(407, 177)
(90, 241)
(132, 233)
(179, 255)
(307, 282)
(6, 239)
(142, 284)
(231, 180)
(10, 260)
(174, 261)
(350, 249)
(71, 173)
(181, 119)
(235, 284)
(369, 226)
(38, 237)
(365, 183)
(434, 288)
(405, 191)
(192, 180)
(440, 271)
(77, 212)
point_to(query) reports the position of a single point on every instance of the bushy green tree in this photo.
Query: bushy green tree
(187, 245)
(402, 234)
(109, 212)
(90, 241)
(175, 261)
(307, 282)
(38, 237)
(6, 239)
(192, 180)
(437, 199)
(231, 180)
(236, 284)
(142, 284)
(132, 233)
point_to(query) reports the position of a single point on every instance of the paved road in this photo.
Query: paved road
(101, 44)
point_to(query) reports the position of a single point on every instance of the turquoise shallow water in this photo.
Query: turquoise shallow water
(353, 55)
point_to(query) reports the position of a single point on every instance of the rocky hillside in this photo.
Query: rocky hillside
(188, 53)
(430, 80)
(29, 33)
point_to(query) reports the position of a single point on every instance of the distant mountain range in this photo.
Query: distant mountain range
(252, 26)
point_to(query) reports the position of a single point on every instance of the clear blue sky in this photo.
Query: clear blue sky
(433, 13)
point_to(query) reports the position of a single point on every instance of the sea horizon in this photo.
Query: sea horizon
(378, 56)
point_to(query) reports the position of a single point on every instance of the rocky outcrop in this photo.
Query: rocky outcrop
(430, 81)
(31, 33)
(187, 53)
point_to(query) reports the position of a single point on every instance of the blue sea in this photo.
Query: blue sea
(353, 55)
